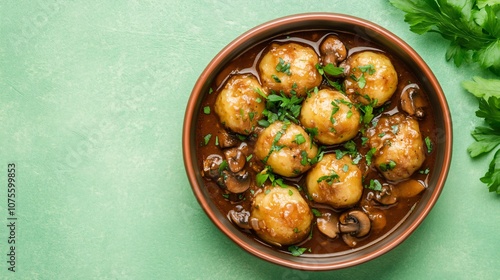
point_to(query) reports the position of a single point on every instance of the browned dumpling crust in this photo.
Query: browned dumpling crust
(290, 68)
(370, 78)
(336, 182)
(286, 148)
(333, 114)
(399, 146)
(239, 105)
(280, 215)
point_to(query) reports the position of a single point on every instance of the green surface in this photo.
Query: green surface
(92, 97)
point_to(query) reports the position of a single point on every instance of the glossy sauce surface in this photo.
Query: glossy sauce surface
(209, 124)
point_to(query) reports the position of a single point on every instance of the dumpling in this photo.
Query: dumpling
(239, 105)
(336, 182)
(280, 215)
(333, 114)
(398, 144)
(286, 148)
(290, 68)
(370, 78)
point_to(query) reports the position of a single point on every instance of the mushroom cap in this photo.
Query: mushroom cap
(235, 182)
(328, 224)
(355, 222)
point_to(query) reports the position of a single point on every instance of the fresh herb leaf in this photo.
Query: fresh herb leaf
(329, 179)
(428, 144)
(206, 110)
(316, 212)
(492, 176)
(387, 166)
(296, 251)
(483, 88)
(471, 27)
(283, 67)
(369, 156)
(299, 139)
(374, 185)
(206, 139)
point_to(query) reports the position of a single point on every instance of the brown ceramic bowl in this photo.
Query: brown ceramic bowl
(340, 23)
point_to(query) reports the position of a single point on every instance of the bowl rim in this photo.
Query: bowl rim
(196, 94)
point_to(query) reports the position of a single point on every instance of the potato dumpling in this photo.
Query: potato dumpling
(370, 78)
(399, 146)
(286, 148)
(333, 114)
(291, 68)
(238, 104)
(336, 182)
(280, 215)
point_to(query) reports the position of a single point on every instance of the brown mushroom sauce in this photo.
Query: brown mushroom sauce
(385, 209)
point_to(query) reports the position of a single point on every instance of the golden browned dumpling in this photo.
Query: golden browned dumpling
(280, 215)
(333, 114)
(291, 68)
(370, 78)
(238, 104)
(399, 146)
(336, 182)
(286, 147)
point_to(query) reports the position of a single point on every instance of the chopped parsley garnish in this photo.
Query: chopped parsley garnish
(374, 185)
(369, 156)
(424, 171)
(304, 159)
(299, 139)
(280, 107)
(428, 144)
(316, 212)
(387, 166)
(206, 110)
(329, 179)
(276, 78)
(283, 67)
(206, 139)
(296, 251)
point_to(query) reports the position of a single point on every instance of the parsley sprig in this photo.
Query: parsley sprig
(472, 27)
(281, 107)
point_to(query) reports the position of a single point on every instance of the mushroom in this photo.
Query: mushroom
(412, 101)
(353, 224)
(227, 140)
(237, 182)
(236, 157)
(332, 50)
(390, 194)
(240, 217)
(328, 224)
(211, 166)
(386, 196)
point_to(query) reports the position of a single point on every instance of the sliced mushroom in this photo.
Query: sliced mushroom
(226, 139)
(409, 188)
(234, 182)
(236, 157)
(240, 217)
(328, 224)
(332, 50)
(354, 224)
(211, 166)
(412, 101)
(386, 196)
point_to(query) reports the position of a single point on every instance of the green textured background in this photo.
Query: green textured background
(92, 97)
